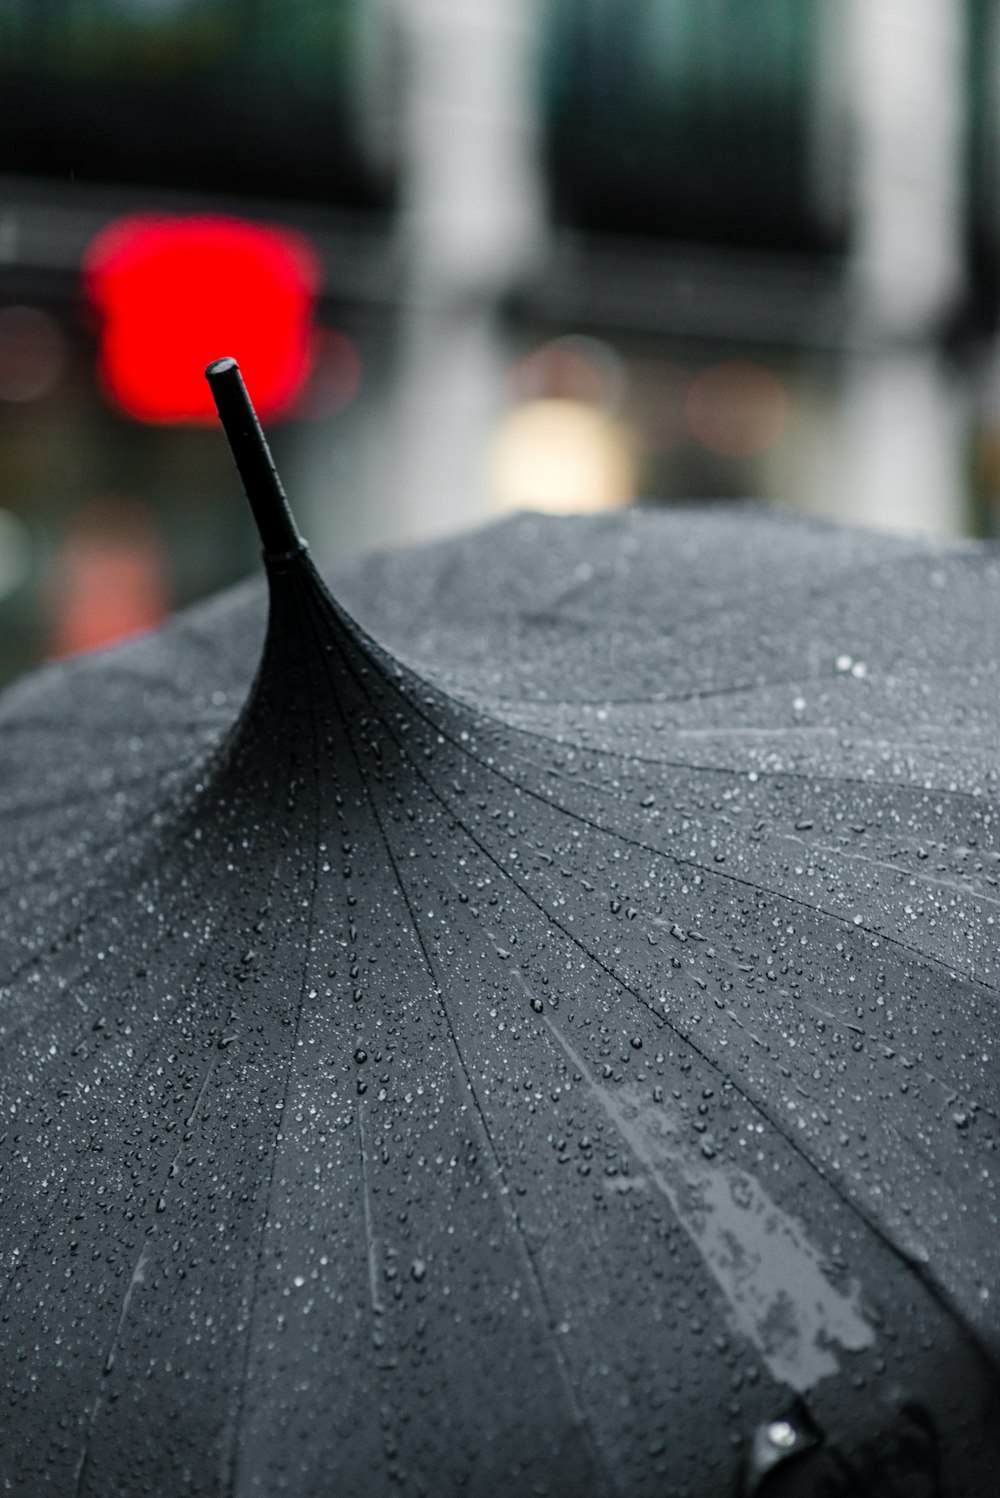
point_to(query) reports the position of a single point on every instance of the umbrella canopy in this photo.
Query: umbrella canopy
(550, 1050)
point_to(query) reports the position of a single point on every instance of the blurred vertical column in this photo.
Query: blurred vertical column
(899, 454)
(988, 184)
(472, 225)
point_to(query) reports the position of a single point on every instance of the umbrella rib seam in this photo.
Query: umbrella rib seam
(390, 669)
(678, 860)
(703, 769)
(141, 857)
(234, 1453)
(929, 1284)
(84, 1151)
(578, 1413)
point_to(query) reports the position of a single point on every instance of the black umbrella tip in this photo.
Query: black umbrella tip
(219, 367)
(278, 533)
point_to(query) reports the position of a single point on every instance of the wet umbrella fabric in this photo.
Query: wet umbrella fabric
(550, 1051)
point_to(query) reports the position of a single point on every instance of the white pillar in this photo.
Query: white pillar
(472, 224)
(897, 461)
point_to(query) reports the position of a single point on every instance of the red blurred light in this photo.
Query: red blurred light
(573, 368)
(737, 409)
(174, 293)
(108, 579)
(335, 378)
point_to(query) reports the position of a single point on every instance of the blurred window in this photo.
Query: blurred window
(690, 119)
(245, 96)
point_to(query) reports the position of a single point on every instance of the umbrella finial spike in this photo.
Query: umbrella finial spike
(278, 532)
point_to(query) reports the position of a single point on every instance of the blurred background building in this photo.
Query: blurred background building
(481, 254)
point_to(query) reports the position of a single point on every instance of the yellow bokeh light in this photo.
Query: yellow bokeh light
(562, 456)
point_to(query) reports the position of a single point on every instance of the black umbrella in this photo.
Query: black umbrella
(549, 1051)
